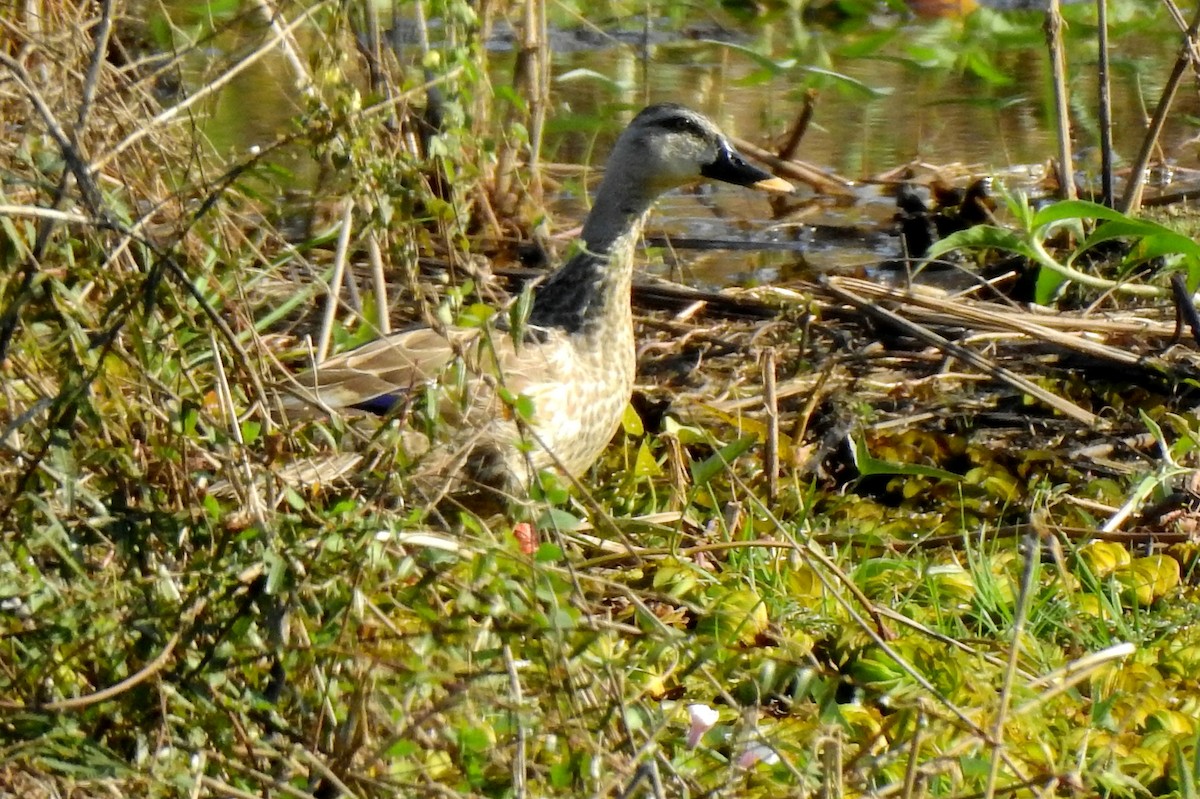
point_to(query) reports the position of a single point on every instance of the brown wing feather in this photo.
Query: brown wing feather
(394, 364)
(408, 360)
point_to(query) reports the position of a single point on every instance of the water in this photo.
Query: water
(953, 97)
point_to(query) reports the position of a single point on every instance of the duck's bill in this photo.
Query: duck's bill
(772, 183)
(730, 167)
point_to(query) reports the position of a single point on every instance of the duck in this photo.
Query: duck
(546, 392)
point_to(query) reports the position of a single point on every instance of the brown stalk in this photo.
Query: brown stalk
(1072, 334)
(771, 409)
(1058, 64)
(1024, 598)
(539, 91)
(379, 281)
(336, 282)
(1000, 373)
(1131, 201)
(799, 127)
(820, 180)
(1104, 109)
(80, 702)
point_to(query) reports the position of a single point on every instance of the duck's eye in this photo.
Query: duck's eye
(682, 124)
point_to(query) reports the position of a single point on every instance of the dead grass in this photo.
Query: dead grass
(765, 543)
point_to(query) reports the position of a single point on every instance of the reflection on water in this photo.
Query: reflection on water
(941, 116)
(922, 114)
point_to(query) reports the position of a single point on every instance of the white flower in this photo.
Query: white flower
(701, 719)
(756, 752)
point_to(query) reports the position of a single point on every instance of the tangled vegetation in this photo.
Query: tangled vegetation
(852, 539)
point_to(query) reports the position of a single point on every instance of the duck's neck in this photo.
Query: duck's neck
(591, 290)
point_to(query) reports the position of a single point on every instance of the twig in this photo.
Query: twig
(287, 44)
(1032, 548)
(266, 780)
(99, 52)
(1059, 404)
(1104, 109)
(38, 212)
(225, 398)
(914, 752)
(1059, 331)
(383, 321)
(80, 702)
(1132, 199)
(771, 409)
(335, 283)
(819, 179)
(1066, 165)
(224, 788)
(800, 126)
(1185, 308)
(646, 771)
(539, 90)
(519, 764)
(317, 764)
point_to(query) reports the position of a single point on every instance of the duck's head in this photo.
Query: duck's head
(668, 145)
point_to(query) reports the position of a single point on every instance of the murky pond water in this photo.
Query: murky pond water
(966, 96)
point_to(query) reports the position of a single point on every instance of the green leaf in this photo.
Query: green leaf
(1075, 209)
(686, 434)
(293, 499)
(402, 748)
(981, 65)
(715, 464)
(868, 465)
(645, 464)
(474, 739)
(591, 75)
(631, 422)
(868, 45)
(1048, 284)
(770, 65)
(276, 572)
(250, 431)
(551, 488)
(847, 83)
(562, 772)
(191, 417)
(982, 236)
(476, 314)
(524, 407)
(557, 519)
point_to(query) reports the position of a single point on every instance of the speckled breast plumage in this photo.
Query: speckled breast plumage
(579, 387)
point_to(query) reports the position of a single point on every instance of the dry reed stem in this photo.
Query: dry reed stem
(287, 45)
(379, 281)
(943, 310)
(341, 255)
(1062, 116)
(1000, 373)
(820, 180)
(1104, 105)
(1132, 199)
(1032, 551)
(771, 409)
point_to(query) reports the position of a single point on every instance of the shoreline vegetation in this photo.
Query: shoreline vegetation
(926, 528)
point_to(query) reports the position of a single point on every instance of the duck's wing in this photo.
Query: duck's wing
(375, 376)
